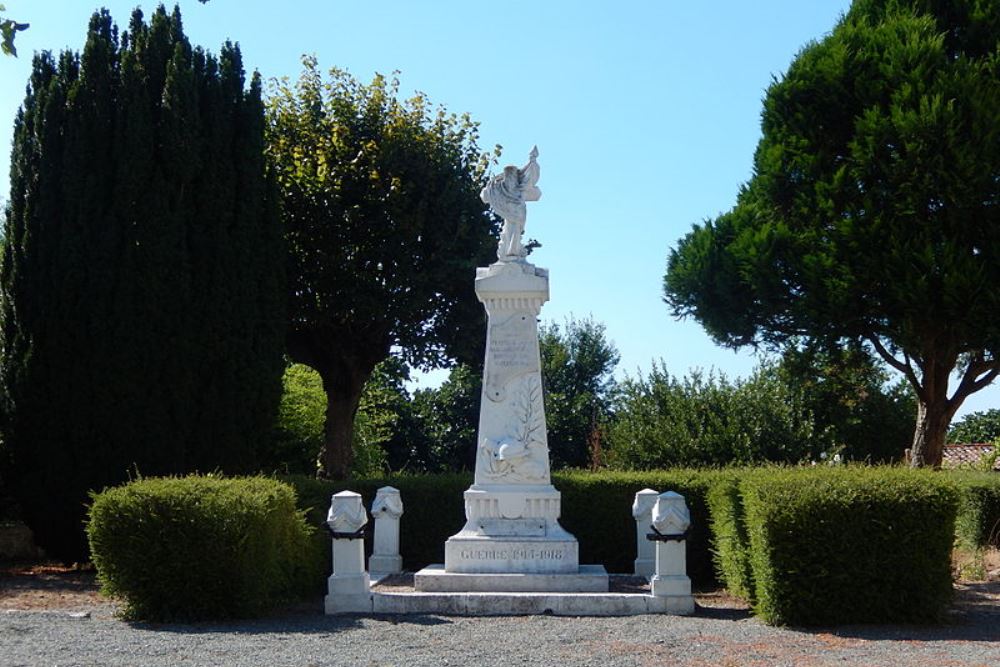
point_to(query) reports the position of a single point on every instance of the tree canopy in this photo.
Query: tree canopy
(384, 228)
(976, 427)
(577, 365)
(141, 287)
(873, 213)
(863, 415)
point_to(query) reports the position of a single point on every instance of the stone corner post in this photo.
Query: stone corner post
(669, 526)
(348, 588)
(642, 512)
(386, 509)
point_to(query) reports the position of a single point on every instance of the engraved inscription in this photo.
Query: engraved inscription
(507, 527)
(511, 344)
(512, 351)
(513, 554)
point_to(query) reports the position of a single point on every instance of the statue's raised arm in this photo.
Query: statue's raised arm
(506, 193)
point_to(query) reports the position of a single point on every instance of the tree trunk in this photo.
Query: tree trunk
(344, 360)
(343, 387)
(929, 436)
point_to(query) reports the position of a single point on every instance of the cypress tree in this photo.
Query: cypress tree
(141, 284)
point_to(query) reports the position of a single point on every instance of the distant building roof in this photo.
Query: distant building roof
(967, 455)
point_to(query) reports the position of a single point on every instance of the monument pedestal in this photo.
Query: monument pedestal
(512, 540)
(512, 530)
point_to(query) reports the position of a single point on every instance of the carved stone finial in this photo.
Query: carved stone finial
(670, 514)
(347, 513)
(387, 503)
(643, 503)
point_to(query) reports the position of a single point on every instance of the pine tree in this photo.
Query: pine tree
(141, 287)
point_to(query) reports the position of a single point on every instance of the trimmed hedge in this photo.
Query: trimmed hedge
(978, 523)
(192, 548)
(730, 544)
(854, 545)
(596, 508)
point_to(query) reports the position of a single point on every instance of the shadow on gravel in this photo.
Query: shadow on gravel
(296, 623)
(722, 613)
(974, 618)
(957, 631)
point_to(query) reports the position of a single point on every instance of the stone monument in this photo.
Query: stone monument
(512, 509)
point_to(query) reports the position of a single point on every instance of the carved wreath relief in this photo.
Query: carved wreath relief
(522, 455)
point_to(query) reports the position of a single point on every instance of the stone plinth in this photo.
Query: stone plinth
(512, 530)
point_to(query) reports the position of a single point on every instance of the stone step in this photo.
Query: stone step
(513, 604)
(588, 579)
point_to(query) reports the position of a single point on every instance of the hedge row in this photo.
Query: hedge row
(978, 523)
(804, 545)
(182, 549)
(823, 546)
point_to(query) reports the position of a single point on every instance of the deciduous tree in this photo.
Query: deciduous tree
(384, 228)
(577, 365)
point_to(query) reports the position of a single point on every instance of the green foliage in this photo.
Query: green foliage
(852, 403)
(298, 433)
(438, 432)
(730, 544)
(385, 405)
(596, 508)
(141, 286)
(384, 226)
(200, 548)
(873, 213)
(577, 367)
(976, 427)
(663, 421)
(849, 545)
(978, 523)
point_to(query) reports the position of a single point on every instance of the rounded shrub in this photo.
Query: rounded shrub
(196, 548)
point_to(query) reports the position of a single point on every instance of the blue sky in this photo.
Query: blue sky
(645, 113)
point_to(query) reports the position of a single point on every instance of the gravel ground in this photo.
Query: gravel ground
(79, 630)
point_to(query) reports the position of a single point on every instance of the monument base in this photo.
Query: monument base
(475, 554)
(676, 585)
(588, 579)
